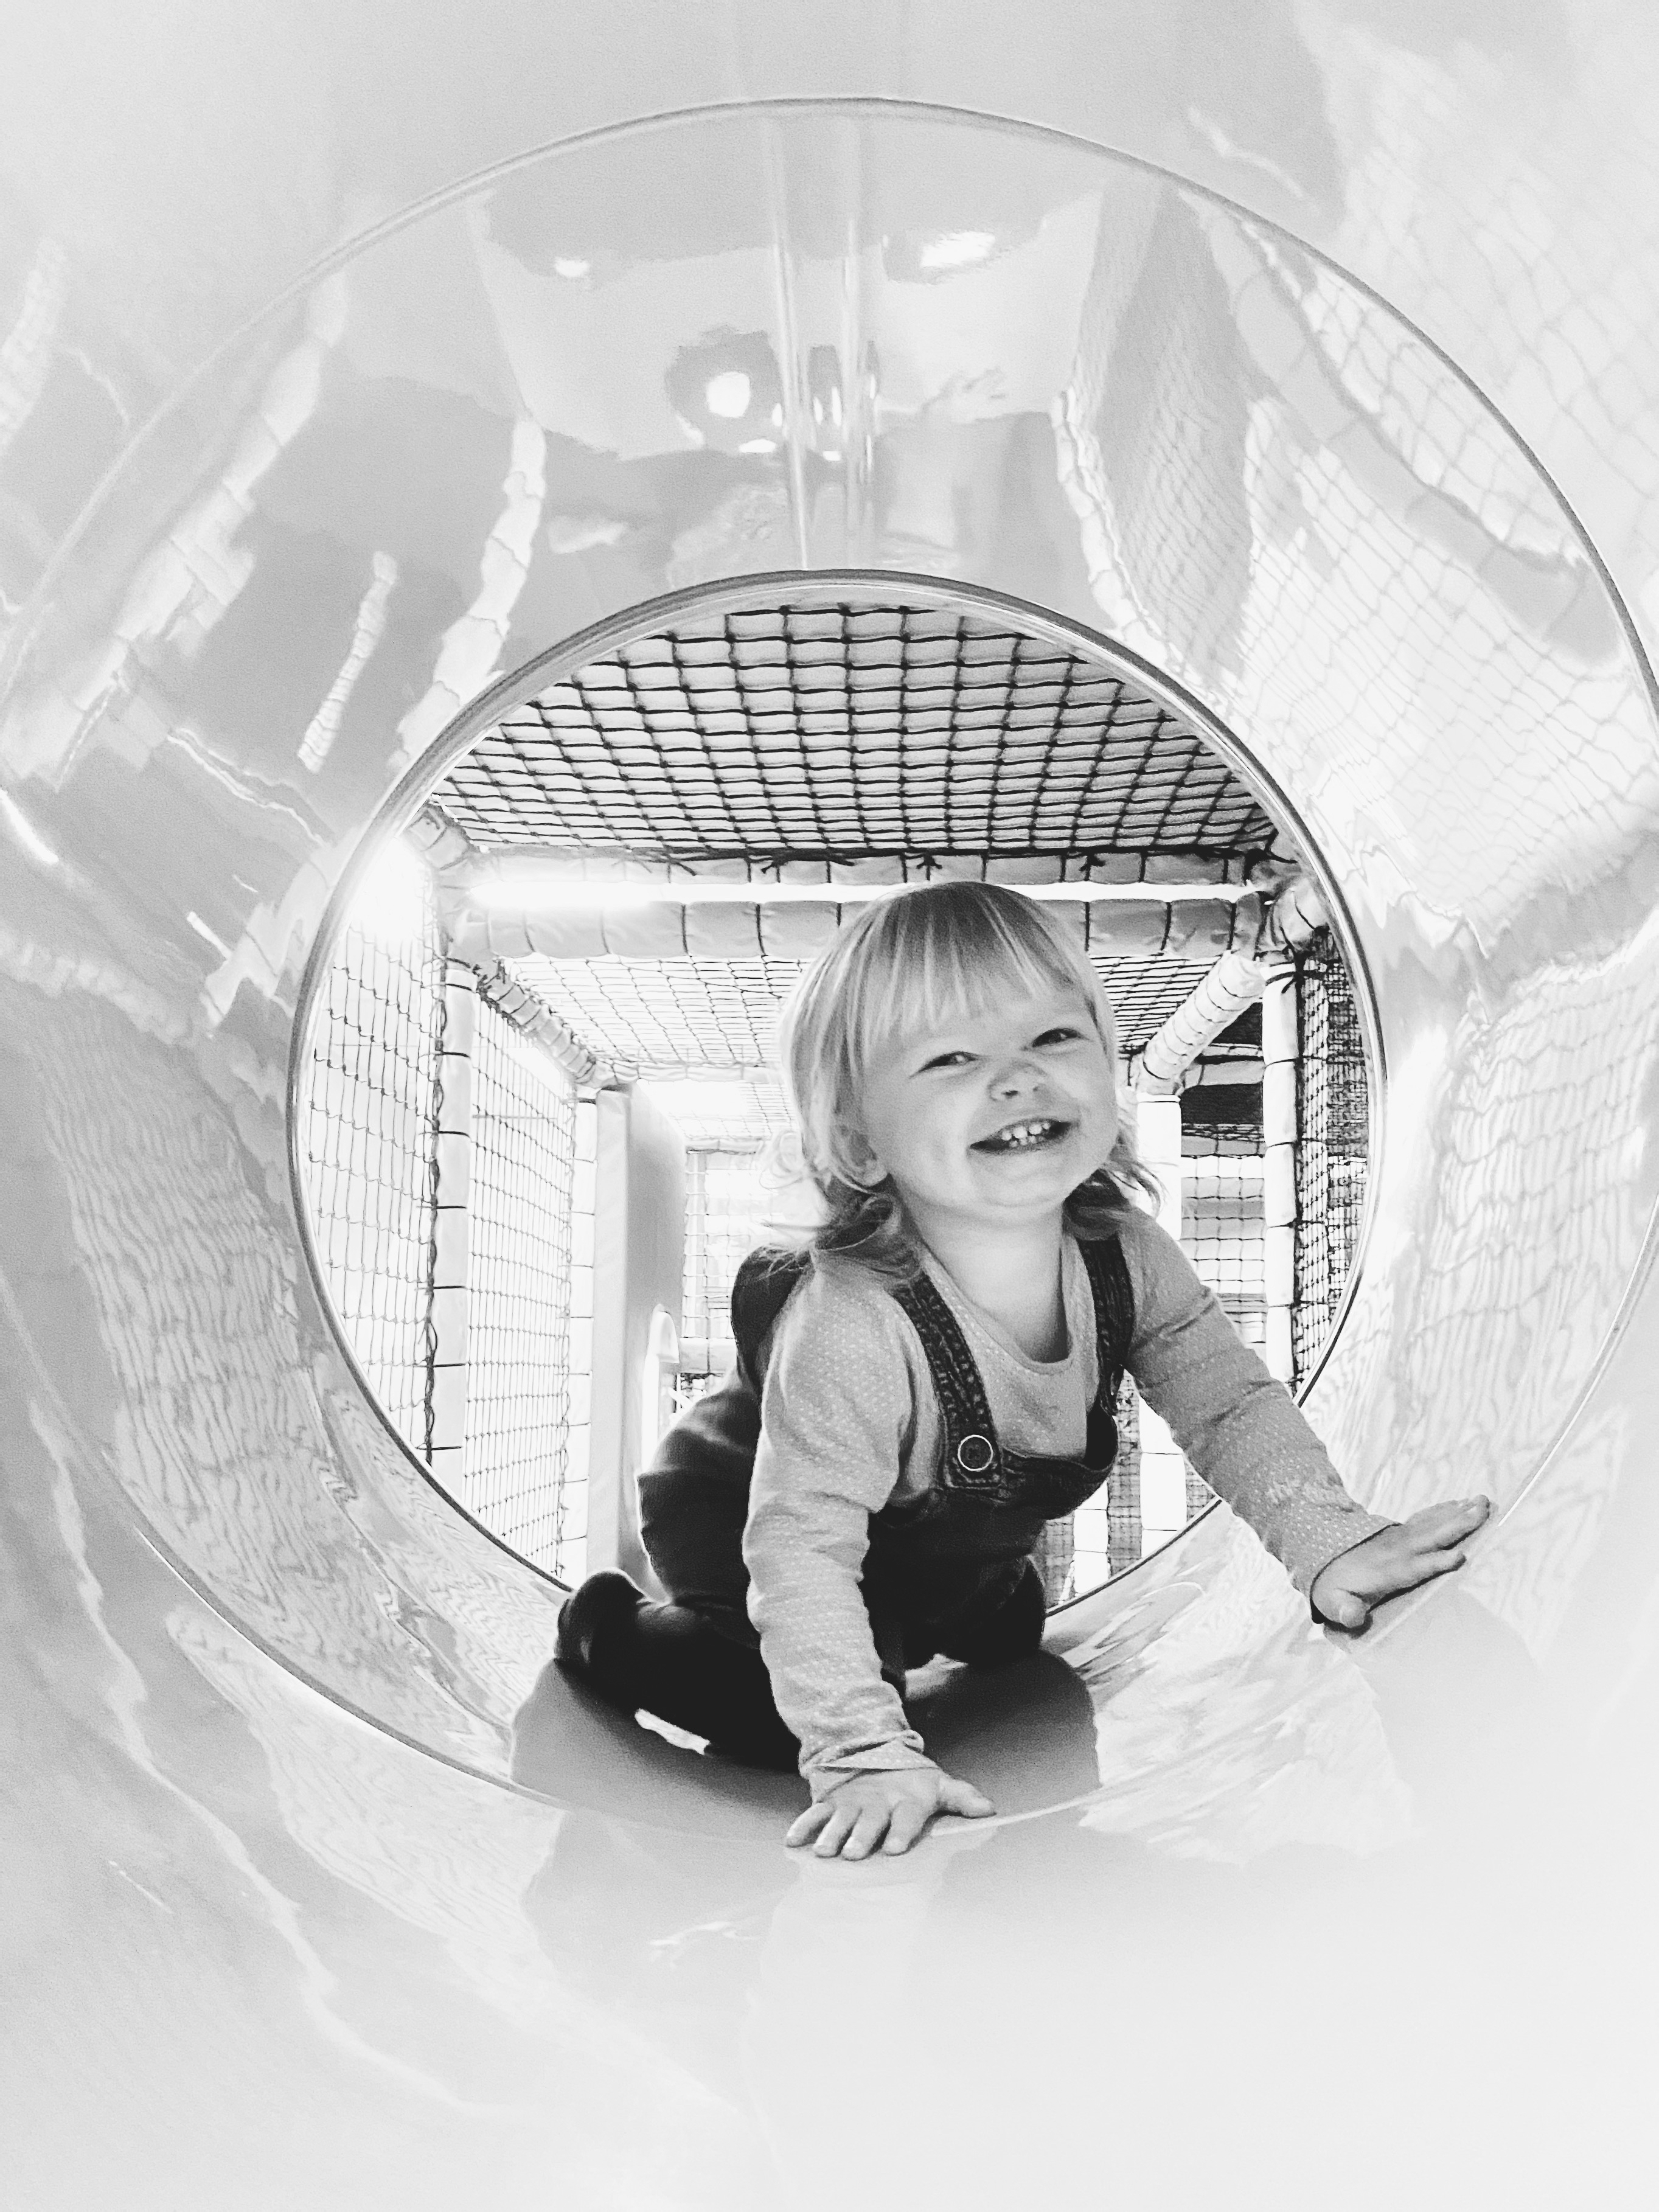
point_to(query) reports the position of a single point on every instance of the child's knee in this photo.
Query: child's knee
(1011, 1631)
(596, 1631)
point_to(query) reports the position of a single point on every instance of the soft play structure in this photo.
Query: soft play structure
(364, 371)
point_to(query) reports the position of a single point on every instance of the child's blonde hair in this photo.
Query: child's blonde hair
(942, 952)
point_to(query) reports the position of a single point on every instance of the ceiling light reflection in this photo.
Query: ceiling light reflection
(727, 395)
(389, 905)
(957, 249)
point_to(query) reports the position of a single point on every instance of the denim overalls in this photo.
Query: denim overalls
(957, 1551)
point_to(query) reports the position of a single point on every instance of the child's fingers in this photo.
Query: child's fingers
(1343, 1609)
(902, 1830)
(1411, 1565)
(803, 1830)
(1438, 1525)
(1440, 1563)
(1433, 1559)
(1425, 1566)
(836, 1829)
(868, 1830)
(962, 1797)
(1398, 1559)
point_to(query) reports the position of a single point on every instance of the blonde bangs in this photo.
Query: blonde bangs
(952, 953)
(910, 964)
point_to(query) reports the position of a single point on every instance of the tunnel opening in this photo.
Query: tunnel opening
(538, 1121)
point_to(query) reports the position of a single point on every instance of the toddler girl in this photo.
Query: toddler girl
(916, 1393)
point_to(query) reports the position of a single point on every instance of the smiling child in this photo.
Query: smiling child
(916, 1395)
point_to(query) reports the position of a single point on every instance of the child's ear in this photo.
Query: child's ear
(861, 1157)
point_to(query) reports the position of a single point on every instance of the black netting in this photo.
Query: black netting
(725, 1208)
(831, 737)
(368, 1123)
(1208, 1139)
(662, 1015)
(659, 1016)
(845, 732)
(518, 1281)
(369, 1116)
(721, 1117)
(1221, 1232)
(1104, 1536)
(1333, 1110)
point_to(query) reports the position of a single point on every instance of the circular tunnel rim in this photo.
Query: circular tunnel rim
(777, 588)
(26, 633)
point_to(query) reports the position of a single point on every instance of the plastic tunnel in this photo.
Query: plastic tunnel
(1303, 358)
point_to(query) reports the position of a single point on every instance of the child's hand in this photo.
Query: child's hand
(1396, 1559)
(896, 1803)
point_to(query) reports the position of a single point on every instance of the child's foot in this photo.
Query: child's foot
(605, 1602)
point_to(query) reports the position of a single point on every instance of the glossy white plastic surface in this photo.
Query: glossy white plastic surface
(1316, 372)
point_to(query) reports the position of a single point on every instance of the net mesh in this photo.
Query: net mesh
(367, 1126)
(648, 1015)
(725, 1219)
(369, 1116)
(839, 738)
(845, 732)
(571, 1557)
(523, 1175)
(658, 1017)
(723, 1116)
(1333, 1118)
(1106, 1537)
(1222, 1218)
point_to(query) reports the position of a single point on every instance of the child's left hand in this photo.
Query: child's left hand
(1394, 1560)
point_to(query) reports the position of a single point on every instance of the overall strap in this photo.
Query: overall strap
(1114, 1312)
(972, 1449)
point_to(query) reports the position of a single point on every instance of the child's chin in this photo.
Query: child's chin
(1033, 1182)
(1027, 1167)
(1058, 1156)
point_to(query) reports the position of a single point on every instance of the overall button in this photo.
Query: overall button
(975, 1455)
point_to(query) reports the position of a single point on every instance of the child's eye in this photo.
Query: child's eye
(1064, 1035)
(957, 1059)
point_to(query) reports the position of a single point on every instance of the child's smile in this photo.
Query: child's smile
(999, 1116)
(1022, 1136)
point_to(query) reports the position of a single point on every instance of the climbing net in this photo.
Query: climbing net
(809, 733)
(368, 1144)
(801, 743)
(518, 1385)
(379, 1175)
(1333, 1125)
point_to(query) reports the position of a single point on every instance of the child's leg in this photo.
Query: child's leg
(675, 1661)
(1010, 1630)
(685, 1671)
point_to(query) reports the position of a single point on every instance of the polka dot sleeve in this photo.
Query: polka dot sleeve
(838, 1422)
(1240, 1429)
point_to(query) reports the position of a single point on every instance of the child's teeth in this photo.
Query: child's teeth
(1024, 1133)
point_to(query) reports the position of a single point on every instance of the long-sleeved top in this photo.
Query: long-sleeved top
(850, 1423)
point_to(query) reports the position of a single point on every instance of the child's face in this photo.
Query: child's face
(997, 1118)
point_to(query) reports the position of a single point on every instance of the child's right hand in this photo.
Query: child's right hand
(1396, 1559)
(888, 1807)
